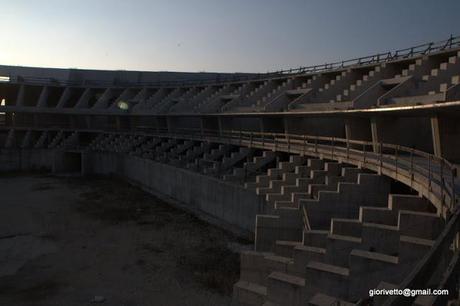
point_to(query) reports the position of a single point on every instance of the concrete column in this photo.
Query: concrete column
(157, 124)
(169, 126)
(436, 136)
(374, 134)
(43, 97)
(286, 125)
(201, 125)
(446, 137)
(64, 98)
(26, 140)
(20, 98)
(13, 119)
(219, 121)
(88, 121)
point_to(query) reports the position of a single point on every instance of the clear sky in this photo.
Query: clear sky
(214, 35)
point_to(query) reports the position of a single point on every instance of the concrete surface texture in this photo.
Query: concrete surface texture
(343, 175)
(67, 241)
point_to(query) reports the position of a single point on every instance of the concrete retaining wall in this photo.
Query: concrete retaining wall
(26, 160)
(226, 205)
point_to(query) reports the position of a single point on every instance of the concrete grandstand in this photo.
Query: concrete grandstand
(344, 174)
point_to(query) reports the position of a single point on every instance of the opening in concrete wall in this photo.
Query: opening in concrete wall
(71, 163)
(31, 95)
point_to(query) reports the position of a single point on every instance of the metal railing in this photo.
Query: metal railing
(422, 49)
(431, 176)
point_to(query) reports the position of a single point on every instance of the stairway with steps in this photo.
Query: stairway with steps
(191, 103)
(173, 156)
(379, 72)
(167, 101)
(279, 89)
(212, 102)
(429, 88)
(329, 91)
(227, 162)
(226, 98)
(251, 168)
(342, 262)
(263, 181)
(69, 139)
(281, 102)
(147, 147)
(294, 185)
(287, 219)
(248, 101)
(152, 99)
(234, 98)
(208, 160)
(190, 159)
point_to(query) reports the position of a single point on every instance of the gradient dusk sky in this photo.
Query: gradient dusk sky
(214, 35)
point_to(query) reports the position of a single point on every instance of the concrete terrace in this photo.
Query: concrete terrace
(343, 175)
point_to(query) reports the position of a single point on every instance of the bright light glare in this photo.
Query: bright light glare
(123, 105)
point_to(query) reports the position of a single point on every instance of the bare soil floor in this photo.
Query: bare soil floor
(70, 241)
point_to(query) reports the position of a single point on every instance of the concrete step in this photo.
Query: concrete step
(315, 238)
(287, 224)
(378, 215)
(328, 279)
(412, 249)
(246, 293)
(368, 269)
(420, 224)
(346, 227)
(398, 202)
(304, 254)
(380, 238)
(320, 299)
(286, 248)
(285, 289)
(339, 247)
(253, 267)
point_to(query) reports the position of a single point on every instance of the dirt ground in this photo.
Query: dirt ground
(70, 241)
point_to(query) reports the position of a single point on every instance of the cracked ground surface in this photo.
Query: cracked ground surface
(64, 241)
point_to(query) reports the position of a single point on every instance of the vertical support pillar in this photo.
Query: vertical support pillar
(436, 135)
(169, 126)
(157, 124)
(42, 100)
(286, 125)
(202, 125)
(375, 135)
(219, 121)
(348, 134)
(20, 98)
(88, 122)
(261, 125)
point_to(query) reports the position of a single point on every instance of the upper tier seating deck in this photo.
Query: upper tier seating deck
(423, 74)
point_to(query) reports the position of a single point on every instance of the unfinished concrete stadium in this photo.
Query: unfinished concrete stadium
(344, 175)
